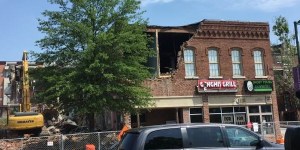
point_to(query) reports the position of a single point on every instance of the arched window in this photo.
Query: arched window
(189, 63)
(258, 63)
(236, 62)
(213, 59)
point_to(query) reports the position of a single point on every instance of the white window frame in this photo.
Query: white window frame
(258, 63)
(213, 59)
(189, 60)
(196, 114)
(236, 58)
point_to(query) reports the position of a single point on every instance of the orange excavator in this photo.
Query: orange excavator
(20, 118)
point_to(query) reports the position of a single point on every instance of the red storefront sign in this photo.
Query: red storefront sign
(217, 86)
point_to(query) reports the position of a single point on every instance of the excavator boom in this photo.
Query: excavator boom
(26, 105)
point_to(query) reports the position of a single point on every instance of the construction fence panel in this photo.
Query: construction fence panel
(44, 142)
(79, 141)
(101, 141)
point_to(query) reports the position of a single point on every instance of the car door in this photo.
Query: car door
(242, 139)
(205, 137)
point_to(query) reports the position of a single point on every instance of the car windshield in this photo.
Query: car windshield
(128, 141)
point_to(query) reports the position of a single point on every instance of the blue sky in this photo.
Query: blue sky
(18, 18)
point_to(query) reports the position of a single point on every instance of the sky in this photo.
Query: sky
(19, 18)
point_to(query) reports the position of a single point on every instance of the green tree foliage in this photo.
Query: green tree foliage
(284, 80)
(94, 53)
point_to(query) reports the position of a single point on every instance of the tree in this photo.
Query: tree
(284, 81)
(94, 53)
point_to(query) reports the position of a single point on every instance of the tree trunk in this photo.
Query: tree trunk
(91, 121)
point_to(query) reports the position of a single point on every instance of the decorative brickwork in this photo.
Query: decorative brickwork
(233, 30)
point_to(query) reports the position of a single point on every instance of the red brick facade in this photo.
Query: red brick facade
(224, 36)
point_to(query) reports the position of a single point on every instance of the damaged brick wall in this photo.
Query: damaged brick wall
(223, 35)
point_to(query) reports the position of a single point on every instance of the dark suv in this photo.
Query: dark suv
(194, 136)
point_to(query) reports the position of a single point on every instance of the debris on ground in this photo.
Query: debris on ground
(10, 144)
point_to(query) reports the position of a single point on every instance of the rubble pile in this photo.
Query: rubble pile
(10, 145)
(60, 124)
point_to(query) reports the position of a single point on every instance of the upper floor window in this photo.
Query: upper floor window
(236, 62)
(258, 62)
(213, 63)
(189, 63)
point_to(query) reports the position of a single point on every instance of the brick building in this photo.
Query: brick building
(212, 71)
(10, 86)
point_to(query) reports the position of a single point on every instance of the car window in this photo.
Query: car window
(128, 141)
(164, 139)
(239, 137)
(205, 137)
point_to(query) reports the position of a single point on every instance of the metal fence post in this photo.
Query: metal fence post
(262, 130)
(99, 141)
(62, 141)
(23, 143)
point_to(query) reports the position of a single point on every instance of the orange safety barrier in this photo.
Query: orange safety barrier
(90, 147)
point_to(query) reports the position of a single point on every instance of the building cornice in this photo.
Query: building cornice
(233, 30)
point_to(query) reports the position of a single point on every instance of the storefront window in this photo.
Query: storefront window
(239, 109)
(266, 108)
(253, 109)
(228, 119)
(227, 110)
(240, 119)
(195, 111)
(214, 110)
(215, 118)
(268, 126)
(267, 118)
(255, 118)
(196, 118)
(263, 116)
(196, 115)
(229, 115)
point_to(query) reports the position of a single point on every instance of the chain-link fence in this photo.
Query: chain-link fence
(104, 140)
(101, 141)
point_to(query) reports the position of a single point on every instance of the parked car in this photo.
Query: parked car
(291, 139)
(194, 136)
